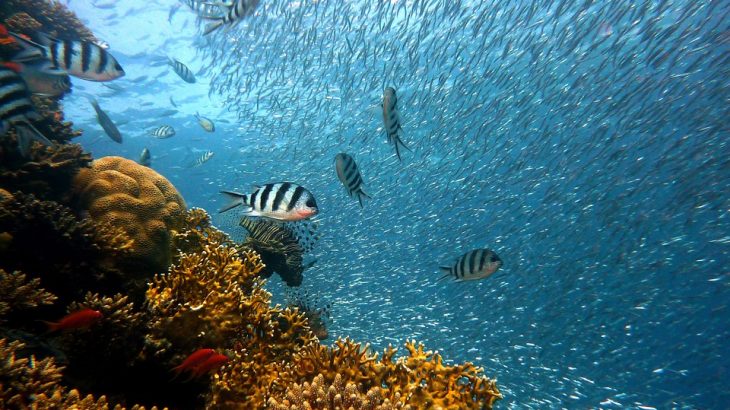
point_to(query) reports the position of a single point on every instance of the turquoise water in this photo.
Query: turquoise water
(584, 142)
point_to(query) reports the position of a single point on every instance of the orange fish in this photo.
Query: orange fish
(211, 364)
(77, 320)
(194, 360)
(5, 37)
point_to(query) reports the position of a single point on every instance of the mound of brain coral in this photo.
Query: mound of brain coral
(122, 193)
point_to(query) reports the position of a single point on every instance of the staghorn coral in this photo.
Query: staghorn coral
(122, 193)
(196, 232)
(17, 292)
(22, 379)
(317, 313)
(420, 379)
(47, 172)
(46, 240)
(278, 248)
(321, 396)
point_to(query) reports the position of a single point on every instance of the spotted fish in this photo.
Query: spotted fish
(473, 265)
(17, 110)
(163, 131)
(284, 201)
(391, 120)
(349, 175)
(82, 59)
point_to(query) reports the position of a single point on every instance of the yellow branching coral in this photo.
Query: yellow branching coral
(205, 299)
(420, 379)
(196, 232)
(319, 395)
(17, 292)
(22, 379)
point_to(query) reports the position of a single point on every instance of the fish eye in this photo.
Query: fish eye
(494, 258)
(310, 203)
(118, 67)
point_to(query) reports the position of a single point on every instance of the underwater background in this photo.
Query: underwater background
(586, 143)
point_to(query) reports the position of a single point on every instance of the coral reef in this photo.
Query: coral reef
(27, 16)
(317, 314)
(46, 240)
(122, 193)
(17, 292)
(337, 395)
(47, 173)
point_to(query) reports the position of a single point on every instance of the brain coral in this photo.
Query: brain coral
(125, 194)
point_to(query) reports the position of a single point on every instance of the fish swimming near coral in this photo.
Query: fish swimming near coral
(349, 175)
(106, 123)
(391, 120)
(145, 158)
(181, 70)
(163, 131)
(77, 320)
(42, 79)
(82, 59)
(202, 159)
(211, 364)
(473, 265)
(207, 124)
(195, 359)
(284, 201)
(16, 108)
(239, 10)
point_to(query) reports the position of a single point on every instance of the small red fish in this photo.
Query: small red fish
(13, 66)
(212, 364)
(194, 360)
(77, 320)
(5, 36)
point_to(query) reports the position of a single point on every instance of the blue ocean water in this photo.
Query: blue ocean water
(587, 143)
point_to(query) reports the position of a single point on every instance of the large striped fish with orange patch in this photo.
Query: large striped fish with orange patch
(391, 120)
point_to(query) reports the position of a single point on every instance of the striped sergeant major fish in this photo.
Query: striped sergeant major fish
(391, 120)
(207, 155)
(205, 9)
(283, 201)
(82, 59)
(163, 131)
(181, 70)
(473, 265)
(17, 110)
(233, 14)
(106, 123)
(207, 124)
(349, 175)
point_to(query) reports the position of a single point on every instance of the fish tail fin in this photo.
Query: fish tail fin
(447, 272)
(27, 133)
(399, 143)
(234, 199)
(211, 27)
(360, 195)
(30, 49)
(51, 326)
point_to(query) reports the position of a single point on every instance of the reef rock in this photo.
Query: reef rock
(122, 193)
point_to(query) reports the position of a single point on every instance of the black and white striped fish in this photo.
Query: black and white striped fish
(181, 70)
(106, 123)
(391, 120)
(284, 201)
(82, 59)
(473, 265)
(17, 110)
(349, 175)
(205, 9)
(163, 131)
(207, 155)
(237, 11)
